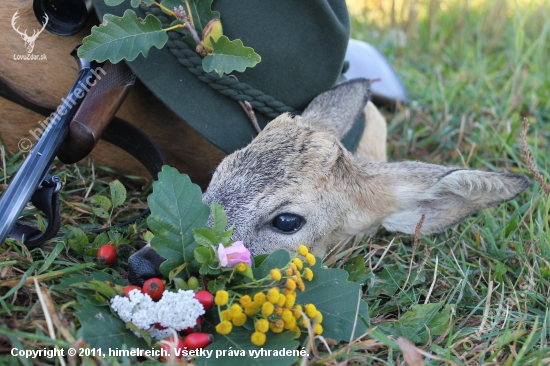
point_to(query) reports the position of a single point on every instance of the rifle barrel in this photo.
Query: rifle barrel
(37, 164)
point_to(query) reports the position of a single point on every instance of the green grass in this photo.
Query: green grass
(474, 70)
(473, 75)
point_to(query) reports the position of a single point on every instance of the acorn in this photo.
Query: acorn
(213, 29)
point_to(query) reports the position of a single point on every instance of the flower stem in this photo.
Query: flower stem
(165, 9)
(174, 27)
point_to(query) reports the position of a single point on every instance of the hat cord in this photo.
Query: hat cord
(226, 85)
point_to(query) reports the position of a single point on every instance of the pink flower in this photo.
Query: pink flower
(234, 254)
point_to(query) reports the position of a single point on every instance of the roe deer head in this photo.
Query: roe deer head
(296, 184)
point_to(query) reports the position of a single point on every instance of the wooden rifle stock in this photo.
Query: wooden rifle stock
(96, 111)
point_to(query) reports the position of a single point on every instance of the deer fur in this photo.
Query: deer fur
(298, 166)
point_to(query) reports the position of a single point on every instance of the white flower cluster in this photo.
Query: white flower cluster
(176, 310)
(179, 310)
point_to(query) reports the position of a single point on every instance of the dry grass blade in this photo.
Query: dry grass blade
(481, 329)
(434, 280)
(2, 152)
(356, 316)
(528, 158)
(310, 343)
(48, 301)
(410, 353)
(383, 254)
(49, 322)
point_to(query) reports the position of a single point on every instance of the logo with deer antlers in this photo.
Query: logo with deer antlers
(29, 40)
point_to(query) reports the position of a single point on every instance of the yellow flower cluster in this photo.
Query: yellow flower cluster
(273, 308)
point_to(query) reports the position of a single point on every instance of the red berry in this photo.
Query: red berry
(106, 254)
(126, 290)
(154, 288)
(196, 328)
(205, 298)
(167, 348)
(198, 340)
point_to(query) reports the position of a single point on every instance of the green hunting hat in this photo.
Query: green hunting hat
(302, 44)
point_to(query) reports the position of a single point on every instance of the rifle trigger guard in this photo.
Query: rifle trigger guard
(46, 199)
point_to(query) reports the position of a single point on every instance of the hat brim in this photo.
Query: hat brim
(220, 119)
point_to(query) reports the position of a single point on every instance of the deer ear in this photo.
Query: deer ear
(445, 196)
(335, 110)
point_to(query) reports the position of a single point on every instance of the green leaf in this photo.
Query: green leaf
(338, 300)
(505, 338)
(100, 328)
(208, 237)
(100, 240)
(203, 255)
(88, 275)
(176, 209)
(259, 259)
(414, 324)
(356, 269)
(392, 278)
(113, 2)
(114, 236)
(77, 239)
(238, 341)
(388, 281)
(217, 284)
(144, 334)
(277, 259)
(229, 56)
(204, 236)
(500, 269)
(91, 252)
(148, 236)
(123, 37)
(220, 218)
(105, 288)
(118, 193)
(248, 273)
(225, 237)
(545, 272)
(180, 284)
(103, 206)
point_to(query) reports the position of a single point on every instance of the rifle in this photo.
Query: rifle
(73, 130)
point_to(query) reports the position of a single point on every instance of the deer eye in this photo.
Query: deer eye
(288, 223)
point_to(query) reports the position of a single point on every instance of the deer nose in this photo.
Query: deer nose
(144, 264)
